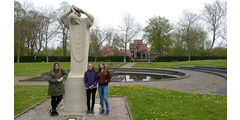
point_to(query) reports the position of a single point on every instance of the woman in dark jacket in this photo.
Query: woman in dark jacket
(103, 88)
(90, 80)
(56, 87)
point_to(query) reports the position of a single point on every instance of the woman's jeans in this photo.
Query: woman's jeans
(103, 93)
(55, 101)
(90, 92)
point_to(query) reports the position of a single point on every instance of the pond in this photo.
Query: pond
(137, 75)
(131, 77)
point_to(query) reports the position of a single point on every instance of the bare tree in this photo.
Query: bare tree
(188, 22)
(98, 37)
(129, 30)
(41, 18)
(63, 30)
(215, 16)
(35, 27)
(50, 27)
(116, 41)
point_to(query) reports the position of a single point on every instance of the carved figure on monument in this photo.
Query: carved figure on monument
(79, 38)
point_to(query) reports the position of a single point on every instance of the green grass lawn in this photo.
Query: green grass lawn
(27, 95)
(34, 69)
(210, 63)
(145, 102)
(153, 103)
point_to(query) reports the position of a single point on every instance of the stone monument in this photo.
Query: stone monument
(75, 90)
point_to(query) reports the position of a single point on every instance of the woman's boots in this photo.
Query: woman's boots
(53, 112)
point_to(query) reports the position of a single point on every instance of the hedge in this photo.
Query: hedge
(185, 58)
(67, 59)
(113, 58)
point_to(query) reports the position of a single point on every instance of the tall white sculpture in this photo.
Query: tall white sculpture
(75, 90)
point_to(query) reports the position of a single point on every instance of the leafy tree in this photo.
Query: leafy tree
(220, 51)
(158, 33)
(18, 28)
(177, 47)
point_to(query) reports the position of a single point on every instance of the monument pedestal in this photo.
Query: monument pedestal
(75, 100)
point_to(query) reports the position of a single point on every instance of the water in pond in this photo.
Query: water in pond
(137, 77)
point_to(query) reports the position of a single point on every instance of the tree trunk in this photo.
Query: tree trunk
(47, 56)
(214, 38)
(40, 37)
(189, 57)
(46, 43)
(32, 49)
(97, 52)
(18, 57)
(64, 44)
(28, 45)
(161, 54)
(188, 49)
(125, 48)
(188, 45)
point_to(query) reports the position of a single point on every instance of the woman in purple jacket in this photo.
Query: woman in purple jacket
(90, 80)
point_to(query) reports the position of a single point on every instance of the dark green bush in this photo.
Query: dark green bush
(113, 59)
(185, 58)
(67, 59)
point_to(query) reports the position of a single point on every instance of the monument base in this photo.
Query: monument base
(75, 100)
(40, 111)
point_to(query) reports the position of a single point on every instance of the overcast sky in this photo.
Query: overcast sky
(109, 13)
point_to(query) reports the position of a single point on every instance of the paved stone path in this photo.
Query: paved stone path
(129, 65)
(118, 111)
(197, 82)
(213, 70)
(17, 82)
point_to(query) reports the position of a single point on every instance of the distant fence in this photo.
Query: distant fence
(185, 58)
(67, 59)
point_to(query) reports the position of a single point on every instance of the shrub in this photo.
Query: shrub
(185, 58)
(67, 59)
